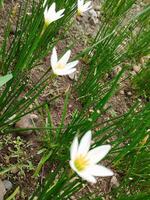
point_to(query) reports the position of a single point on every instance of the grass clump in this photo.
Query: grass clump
(141, 82)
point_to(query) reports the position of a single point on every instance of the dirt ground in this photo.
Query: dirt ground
(19, 155)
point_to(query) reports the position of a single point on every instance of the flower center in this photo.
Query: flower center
(81, 162)
(47, 23)
(60, 66)
(79, 13)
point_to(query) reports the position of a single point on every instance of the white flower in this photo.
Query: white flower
(84, 161)
(61, 67)
(51, 15)
(83, 7)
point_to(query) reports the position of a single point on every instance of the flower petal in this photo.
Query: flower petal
(65, 58)
(46, 12)
(98, 153)
(63, 72)
(59, 13)
(73, 166)
(52, 9)
(67, 72)
(71, 71)
(58, 17)
(85, 143)
(84, 175)
(74, 148)
(99, 170)
(80, 3)
(87, 177)
(87, 6)
(54, 58)
(72, 64)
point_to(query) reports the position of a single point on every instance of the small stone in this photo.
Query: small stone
(122, 92)
(93, 13)
(129, 93)
(93, 21)
(117, 70)
(136, 68)
(12, 29)
(93, 17)
(8, 185)
(2, 190)
(114, 182)
(130, 178)
(73, 76)
(97, 8)
(70, 106)
(142, 61)
(133, 73)
(14, 170)
(72, 198)
(35, 198)
(98, 13)
(26, 122)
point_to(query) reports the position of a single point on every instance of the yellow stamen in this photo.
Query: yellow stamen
(81, 162)
(79, 13)
(60, 66)
(47, 23)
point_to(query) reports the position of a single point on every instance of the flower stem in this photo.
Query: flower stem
(44, 29)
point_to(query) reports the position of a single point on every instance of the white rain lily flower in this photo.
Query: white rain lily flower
(83, 7)
(51, 15)
(84, 161)
(61, 67)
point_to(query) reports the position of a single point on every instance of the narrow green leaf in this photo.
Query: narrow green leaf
(5, 79)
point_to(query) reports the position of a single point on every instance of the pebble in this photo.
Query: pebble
(117, 70)
(35, 198)
(26, 122)
(2, 190)
(133, 73)
(93, 19)
(70, 106)
(122, 92)
(72, 76)
(98, 13)
(72, 198)
(114, 182)
(129, 93)
(12, 29)
(97, 8)
(142, 61)
(14, 170)
(136, 68)
(8, 185)
(93, 13)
